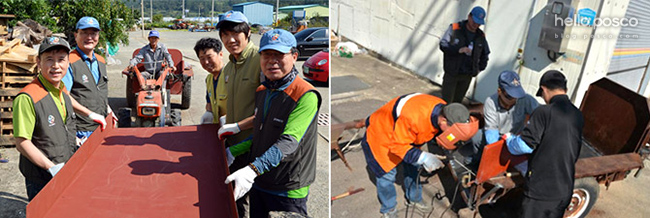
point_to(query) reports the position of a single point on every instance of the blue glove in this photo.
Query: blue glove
(516, 145)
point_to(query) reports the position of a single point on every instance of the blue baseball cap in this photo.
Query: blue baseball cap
(88, 22)
(510, 83)
(154, 33)
(478, 15)
(233, 16)
(279, 40)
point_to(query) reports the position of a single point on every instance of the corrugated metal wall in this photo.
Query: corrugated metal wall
(257, 13)
(629, 64)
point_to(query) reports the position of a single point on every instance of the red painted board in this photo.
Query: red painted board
(495, 160)
(142, 172)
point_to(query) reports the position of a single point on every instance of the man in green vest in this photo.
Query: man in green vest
(242, 77)
(208, 50)
(282, 161)
(87, 79)
(43, 118)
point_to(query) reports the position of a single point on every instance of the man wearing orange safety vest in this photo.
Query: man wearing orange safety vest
(394, 135)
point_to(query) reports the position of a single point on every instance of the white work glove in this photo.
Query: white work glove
(98, 119)
(113, 117)
(429, 161)
(229, 157)
(206, 118)
(55, 169)
(244, 179)
(222, 120)
(228, 129)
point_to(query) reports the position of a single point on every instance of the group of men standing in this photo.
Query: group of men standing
(266, 111)
(550, 135)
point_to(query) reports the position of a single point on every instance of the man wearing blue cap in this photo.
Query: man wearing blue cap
(553, 138)
(282, 161)
(153, 54)
(242, 77)
(86, 79)
(466, 53)
(504, 112)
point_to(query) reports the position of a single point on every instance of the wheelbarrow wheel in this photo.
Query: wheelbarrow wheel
(585, 194)
(187, 93)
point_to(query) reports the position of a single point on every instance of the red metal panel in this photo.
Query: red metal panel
(495, 160)
(142, 172)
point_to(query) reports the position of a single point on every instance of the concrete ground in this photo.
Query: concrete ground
(12, 189)
(362, 84)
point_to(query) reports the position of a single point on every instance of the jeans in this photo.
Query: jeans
(33, 189)
(386, 188)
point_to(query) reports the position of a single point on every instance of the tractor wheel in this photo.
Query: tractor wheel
(187, 93)
(130, 93)
(585, 194)
(175, 117)
(124, 117)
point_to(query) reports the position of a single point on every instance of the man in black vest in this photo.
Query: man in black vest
(43, 118)
(552, 137)
(283, 146)
(466, 53)
(86, 79)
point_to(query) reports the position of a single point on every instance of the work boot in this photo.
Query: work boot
(390, 214)
(420, 206)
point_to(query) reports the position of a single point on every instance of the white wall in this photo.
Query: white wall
(407, 32)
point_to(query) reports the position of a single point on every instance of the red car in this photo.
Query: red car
(317, 67)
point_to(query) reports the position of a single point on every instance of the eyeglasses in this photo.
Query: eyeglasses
(273, 55)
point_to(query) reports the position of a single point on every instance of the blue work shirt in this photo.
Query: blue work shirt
(92, 65)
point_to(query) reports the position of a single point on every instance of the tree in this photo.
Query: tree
(157, 18)
(36, 10)
(113, 16)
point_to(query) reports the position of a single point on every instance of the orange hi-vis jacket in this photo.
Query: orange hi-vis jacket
(396, 131)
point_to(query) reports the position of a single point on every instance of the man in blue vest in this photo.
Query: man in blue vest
(86, 79)
(466, 53)
(43, 118)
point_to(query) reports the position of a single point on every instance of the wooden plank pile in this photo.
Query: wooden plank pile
(17, 69)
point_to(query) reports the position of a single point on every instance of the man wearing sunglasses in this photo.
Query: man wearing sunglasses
(505, 112)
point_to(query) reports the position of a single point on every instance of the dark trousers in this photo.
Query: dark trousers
(262, 203)
(33, 189)
(533, 208)
(454, 87)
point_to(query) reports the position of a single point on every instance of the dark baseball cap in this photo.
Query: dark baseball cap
(510, 83)
(53, 42)
(552, 79)
(456, 113)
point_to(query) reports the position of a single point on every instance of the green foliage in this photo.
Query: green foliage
(157, 18)
(173, 8)
(62, 16)
(36, 10)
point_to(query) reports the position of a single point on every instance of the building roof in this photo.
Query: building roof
(249, 3)
(295, 7)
